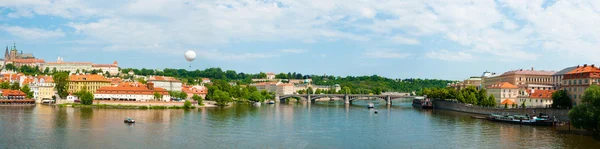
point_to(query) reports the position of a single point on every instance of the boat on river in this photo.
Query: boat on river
(542, 120)
(271, 102)
(371, 106)
(421, 102)
(129, 120)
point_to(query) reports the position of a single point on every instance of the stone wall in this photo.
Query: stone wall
(561, 114)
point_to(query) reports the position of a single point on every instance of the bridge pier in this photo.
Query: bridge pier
(388, 100)
(308, 99)
(346, 99)
(277, 98)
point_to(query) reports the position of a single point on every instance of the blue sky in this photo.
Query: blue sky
(436, 39)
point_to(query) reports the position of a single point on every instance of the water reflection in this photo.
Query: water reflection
(284, 125)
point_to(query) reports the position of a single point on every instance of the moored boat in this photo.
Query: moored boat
(421, 102)
(522, 119)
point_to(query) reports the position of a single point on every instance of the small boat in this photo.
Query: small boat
(421, 102)
(129, 120)
(371, 106)
(376, 112)
(271, 102)
(257, 103)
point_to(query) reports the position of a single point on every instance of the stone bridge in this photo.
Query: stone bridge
(348, 98)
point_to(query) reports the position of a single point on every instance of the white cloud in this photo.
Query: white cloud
(32, 33)
(449, 56)
(293, 50)
(384, 53)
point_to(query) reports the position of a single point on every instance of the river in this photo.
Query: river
(286, 125)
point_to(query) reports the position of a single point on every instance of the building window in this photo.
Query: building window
(586, 81)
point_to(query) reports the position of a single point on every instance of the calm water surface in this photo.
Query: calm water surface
(295, 125)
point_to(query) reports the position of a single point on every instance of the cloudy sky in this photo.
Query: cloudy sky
(412, 39)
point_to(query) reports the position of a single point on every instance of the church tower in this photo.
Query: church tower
(6, 54)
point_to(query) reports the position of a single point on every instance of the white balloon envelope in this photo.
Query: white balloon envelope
(190, 55)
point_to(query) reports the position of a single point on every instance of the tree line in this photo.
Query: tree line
(469, 95)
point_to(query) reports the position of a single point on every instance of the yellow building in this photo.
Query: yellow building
(93, 82)
(45, 86)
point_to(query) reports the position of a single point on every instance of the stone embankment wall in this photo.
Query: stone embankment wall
(561, 114)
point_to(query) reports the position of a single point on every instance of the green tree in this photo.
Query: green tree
(5, 85)
(586, 115)
(198, 98)
(460, 98)
(256, 97)
(61, 82)
(141, 80)
(27, 91)
(472, 99)
(310, 90)
(15, 86)
(183, 95)
(491, 101)
(85, 97)
(560, 99)
(318, 91)
(47, 70)
(77, 71)
(505, 105)
(222, 98)
(523, 105)
(482, 97)
(187, 104)
(157, 96)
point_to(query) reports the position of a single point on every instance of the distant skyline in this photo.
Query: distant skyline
(438, 40)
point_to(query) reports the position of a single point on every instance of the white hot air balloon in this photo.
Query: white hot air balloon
(190, 56)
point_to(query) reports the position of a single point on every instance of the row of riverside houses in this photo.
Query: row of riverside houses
(534, 87)
(104, 88)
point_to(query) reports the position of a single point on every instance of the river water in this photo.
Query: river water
(286, 125)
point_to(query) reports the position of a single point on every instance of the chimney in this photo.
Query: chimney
(584, 65)
(150, 85)
(531, 68)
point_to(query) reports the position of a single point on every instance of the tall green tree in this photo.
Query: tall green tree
(560, 99)
(482, 97)
(472, 99)
(460, 97)
(310, 90)
(47, 70)
(586, 115)
(222, 98)
(491, 102)
(61, 83)
(27, 91)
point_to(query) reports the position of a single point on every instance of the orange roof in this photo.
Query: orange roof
(540, 93)
(88, 78)
(131, 88)
(507, 101)
(162, 78)
(47, 79)
(28, 61)
(285, 84)
(7, 92)
(503, 85)
(584, 69)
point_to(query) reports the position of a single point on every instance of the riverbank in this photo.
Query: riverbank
(106, 106)
(137, 105)
(560, 114)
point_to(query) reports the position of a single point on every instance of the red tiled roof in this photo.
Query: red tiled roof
(28, 61)
(585, 69)
(503, 85)
(285, 84)
(86, 63)
(104, 65)
(194, 89)
(540, 93)
(47, 79)
(7, 92)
